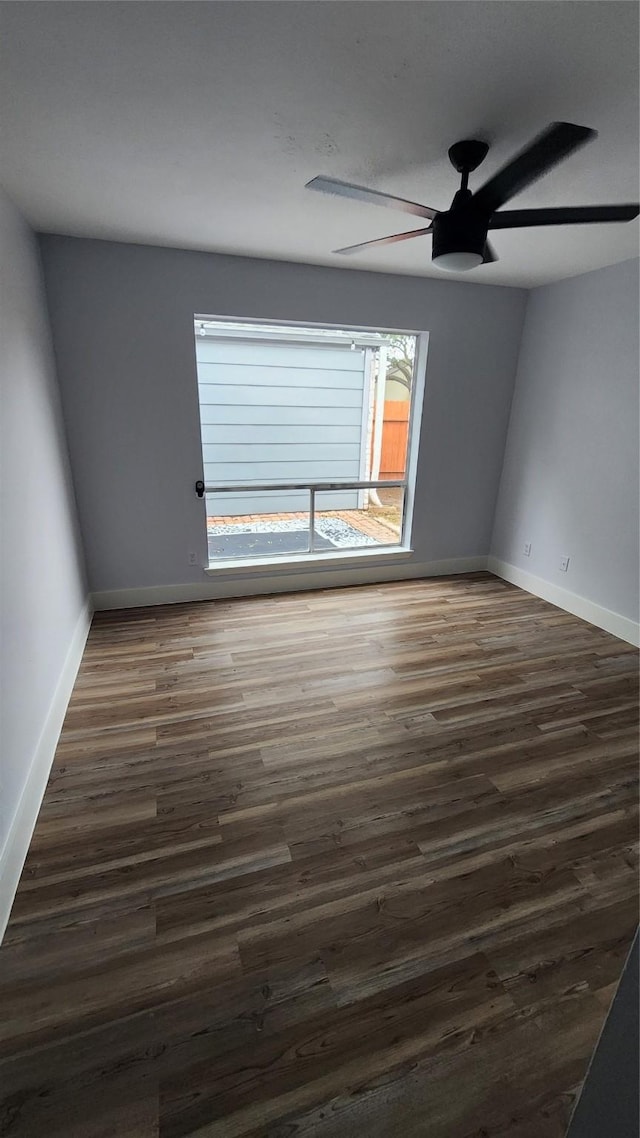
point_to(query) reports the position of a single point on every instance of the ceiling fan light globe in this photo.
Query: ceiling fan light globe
(457, 262)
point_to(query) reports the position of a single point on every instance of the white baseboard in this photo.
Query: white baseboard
(614, 622)
(14, 851)
(282, 582)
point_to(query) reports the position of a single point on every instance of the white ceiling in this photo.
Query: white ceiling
(198, 124)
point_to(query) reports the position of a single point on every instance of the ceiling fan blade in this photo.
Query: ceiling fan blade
(562, 215)
(488, 254)
(558, 141)
(383, 241)
(373, 197)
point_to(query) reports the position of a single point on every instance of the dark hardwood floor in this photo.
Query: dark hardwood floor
(360, 862)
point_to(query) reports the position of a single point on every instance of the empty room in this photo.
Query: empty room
(319, 569)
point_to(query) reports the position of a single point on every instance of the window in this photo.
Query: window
(306, 438)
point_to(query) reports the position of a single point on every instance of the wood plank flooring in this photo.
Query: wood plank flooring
(345, 863)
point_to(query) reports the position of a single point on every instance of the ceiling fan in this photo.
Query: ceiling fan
(460, 232)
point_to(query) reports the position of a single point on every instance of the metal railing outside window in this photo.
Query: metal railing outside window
(313, 488)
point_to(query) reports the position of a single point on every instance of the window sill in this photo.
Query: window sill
(350, 558)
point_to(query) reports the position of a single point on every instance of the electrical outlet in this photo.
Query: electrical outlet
(193, 558)
(564, 564)
(527, 549)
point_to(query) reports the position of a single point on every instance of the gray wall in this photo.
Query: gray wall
(122, 318)
(42, 589)
(570, 478)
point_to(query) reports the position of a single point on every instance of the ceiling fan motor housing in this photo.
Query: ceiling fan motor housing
(466, 156)
(462, 229)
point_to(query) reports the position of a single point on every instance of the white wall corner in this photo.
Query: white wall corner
(16, 846)
(613, 622)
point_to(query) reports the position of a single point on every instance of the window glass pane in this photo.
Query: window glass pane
(364, 518)
(301, 406)
(257, 524)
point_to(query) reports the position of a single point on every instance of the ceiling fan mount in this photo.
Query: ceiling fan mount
(460, 232)
(466, 156)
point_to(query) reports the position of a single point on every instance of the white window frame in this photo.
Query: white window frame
(313, 559)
